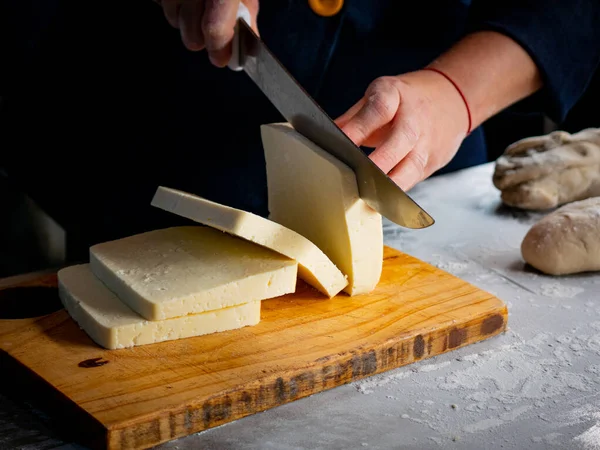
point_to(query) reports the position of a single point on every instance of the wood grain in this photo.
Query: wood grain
(305, 343)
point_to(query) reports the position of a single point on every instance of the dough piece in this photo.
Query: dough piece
(544, 172)
(314, 266)
(566, 241)
(316, 195)
(177, 271)
(112, 324)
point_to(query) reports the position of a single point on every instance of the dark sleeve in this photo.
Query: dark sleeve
(561, 36)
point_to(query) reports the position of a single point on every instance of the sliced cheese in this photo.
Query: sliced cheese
(113, 325)
(177, 271)
(314, 266)
(316, 195)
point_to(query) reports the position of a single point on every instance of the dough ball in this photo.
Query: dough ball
(544, 172)
(566, 241)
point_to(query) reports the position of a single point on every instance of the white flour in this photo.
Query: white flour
(588, 414)
(499, 386)
(523, 377)
(560, 290)
(591, 438)
(453, 267)
(431, 367)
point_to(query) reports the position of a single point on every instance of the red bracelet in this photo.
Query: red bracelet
(459, 91)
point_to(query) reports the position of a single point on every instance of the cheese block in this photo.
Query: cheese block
(113, 325)
(316, 195)
(314, 267)
(176, 271)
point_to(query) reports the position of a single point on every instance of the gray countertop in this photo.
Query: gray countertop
(534, 387)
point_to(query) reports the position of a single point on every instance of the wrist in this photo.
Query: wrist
(459, 91)
(446, 105)
(492, 71)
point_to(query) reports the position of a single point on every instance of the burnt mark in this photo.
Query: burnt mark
(153, 430)
(28, 302)
(404, 351)
(188, 419)
(303, 382)
(172, 424)
(216, 413)
(419, 347)
(456, 337)
(293, 385)
(388, 258)
(93, 362)
(326, 375)
(364, 364)
(356, 366)
(261, 398)
(339, 371)
(246, 398)
(389, 357)
(125, 441)
(280, 390)
(324, 359)
(369, 362)
(491, 324)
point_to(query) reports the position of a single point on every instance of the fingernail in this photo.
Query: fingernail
(215, 61)
(192, 46)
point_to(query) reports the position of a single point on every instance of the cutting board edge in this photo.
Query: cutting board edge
(181, 421)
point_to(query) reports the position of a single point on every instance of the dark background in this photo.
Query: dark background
(507, 128)
(30, 241)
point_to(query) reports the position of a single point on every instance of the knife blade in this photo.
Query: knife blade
(251, 55)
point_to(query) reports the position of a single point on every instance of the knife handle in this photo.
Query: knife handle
(244, 14)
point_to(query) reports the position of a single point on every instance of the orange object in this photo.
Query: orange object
(326, 8)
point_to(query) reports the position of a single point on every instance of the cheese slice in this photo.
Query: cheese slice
(316, 195)
(314, 266)
(177, 271)
(113, 325)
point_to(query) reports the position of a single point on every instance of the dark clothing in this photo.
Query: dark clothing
(112, 105)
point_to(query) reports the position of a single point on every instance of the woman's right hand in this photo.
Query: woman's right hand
(208, 24)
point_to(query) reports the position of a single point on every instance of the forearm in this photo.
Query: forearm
(492, 71)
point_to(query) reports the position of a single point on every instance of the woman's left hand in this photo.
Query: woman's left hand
(415, 121)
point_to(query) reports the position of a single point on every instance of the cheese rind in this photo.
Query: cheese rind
(316, 195)
(113, 325)
(172, 272)
(314, 266)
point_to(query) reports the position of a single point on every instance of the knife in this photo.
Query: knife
(250, 54)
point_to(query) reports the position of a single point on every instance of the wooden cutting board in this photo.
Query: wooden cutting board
(137, 398)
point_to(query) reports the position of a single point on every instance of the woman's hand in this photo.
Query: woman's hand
(416, 123)
(208, 24)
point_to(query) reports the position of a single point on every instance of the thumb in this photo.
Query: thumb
(342, 120)
(374, 112)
